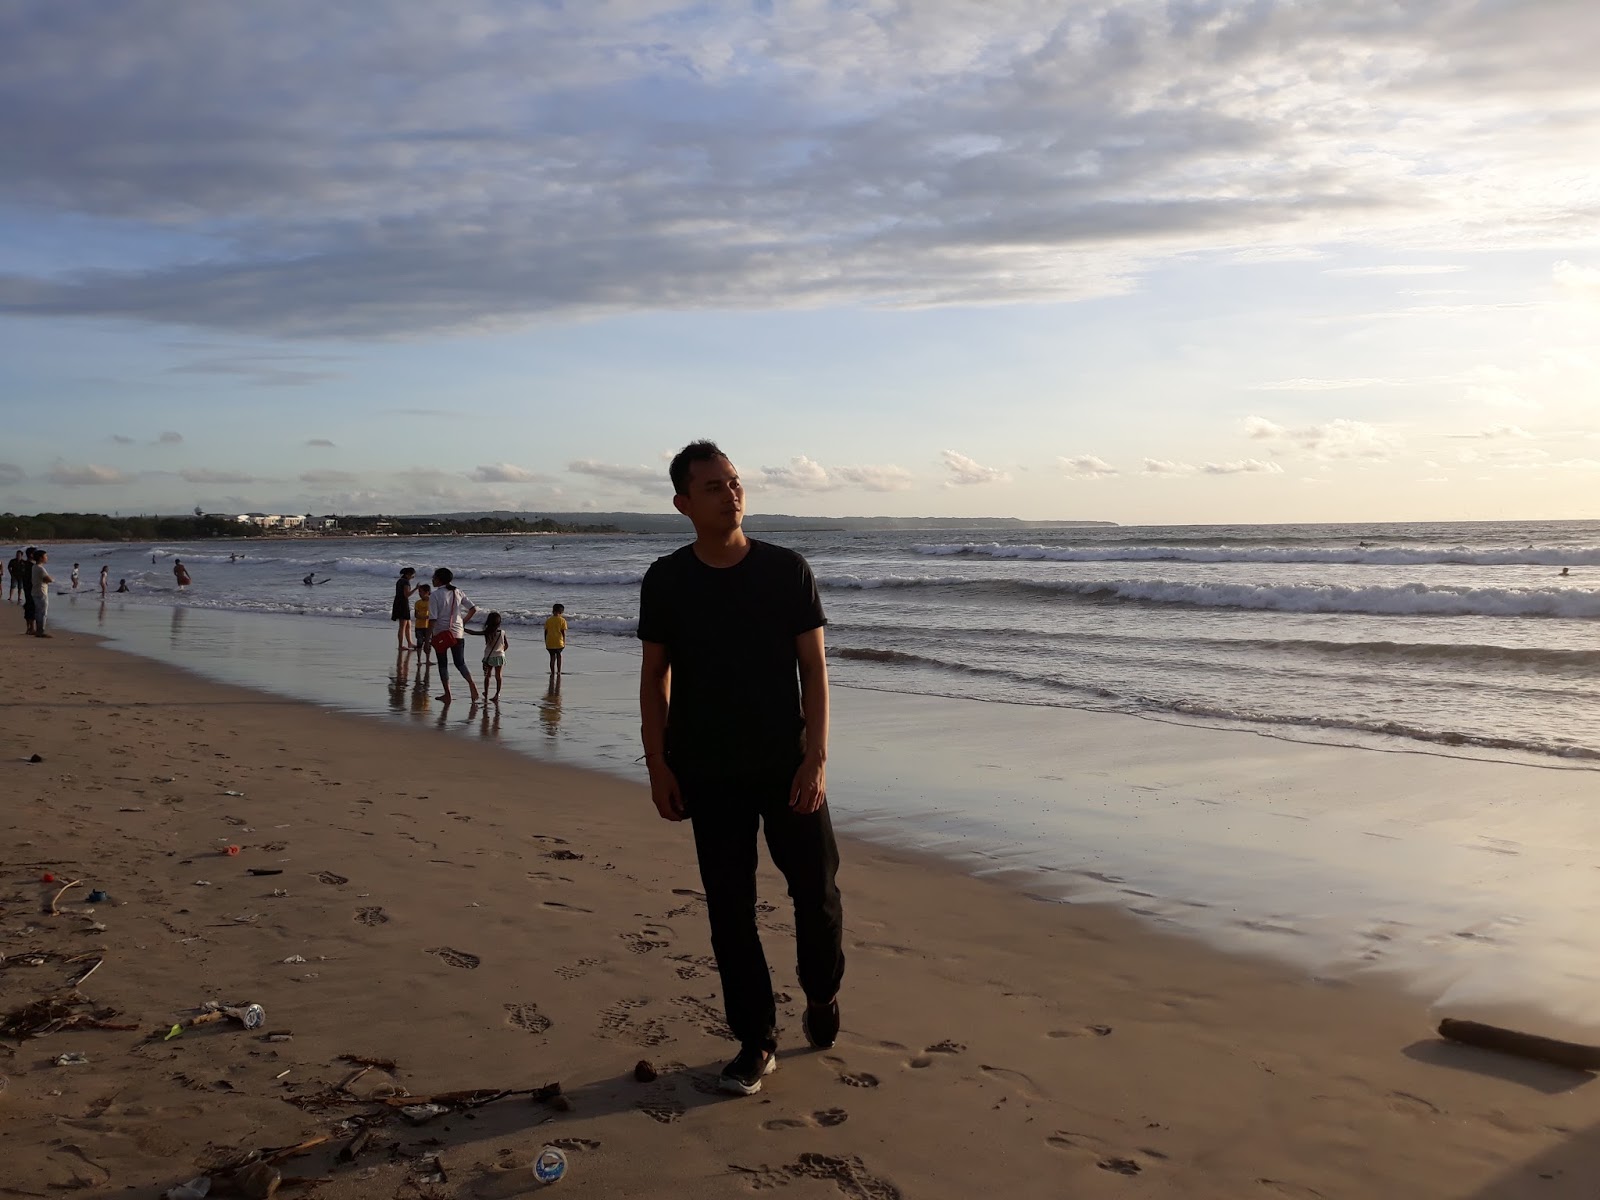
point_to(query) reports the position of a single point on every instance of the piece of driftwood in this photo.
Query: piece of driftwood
(1572, 1055)
(61, 893)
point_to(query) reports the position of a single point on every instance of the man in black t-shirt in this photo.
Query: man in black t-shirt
(733, 698)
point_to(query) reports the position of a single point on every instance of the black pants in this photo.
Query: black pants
(725, 814)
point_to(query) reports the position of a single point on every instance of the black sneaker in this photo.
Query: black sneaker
(820, 1022)
(743, 1075)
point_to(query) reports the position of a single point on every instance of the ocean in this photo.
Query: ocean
(1464, 636)
(1359, 748)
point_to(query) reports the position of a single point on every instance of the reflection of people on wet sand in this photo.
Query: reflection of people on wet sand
(180, 572)
(550, 707)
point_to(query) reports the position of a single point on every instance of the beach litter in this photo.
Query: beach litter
(421, 1114)
(551, 1166)
(250, 1016)
(72, 1059)
(231, 851)
(264, 871)
(98, 897)
(197, 1188)
(231, 792)
(295, 958)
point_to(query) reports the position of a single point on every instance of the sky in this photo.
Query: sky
(1187, 261)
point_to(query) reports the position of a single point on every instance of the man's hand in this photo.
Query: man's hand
(809, 792)
(665, 793)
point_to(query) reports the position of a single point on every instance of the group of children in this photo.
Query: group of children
(496, 644)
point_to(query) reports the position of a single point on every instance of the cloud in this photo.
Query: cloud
(322, 443)
(1322, 385)
(323, 477)
(85, 475)
(615, 473)
(206, 475)
(260, 370)
(122, 439)
(1161, 466)
(801, 475)
(1494, 432)
(502, 473)
(886, 478)
(761, 155)
(965, 472)
(1086, 466)
(11, 474)
(170, 438)
(1245, 466)
(1579, 282)
(1397, 269)
(1336, 439)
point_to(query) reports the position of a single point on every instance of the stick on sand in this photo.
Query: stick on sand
(1572, 1055)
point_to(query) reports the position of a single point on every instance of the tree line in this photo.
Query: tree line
(98, 527)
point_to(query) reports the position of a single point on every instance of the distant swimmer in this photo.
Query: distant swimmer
(233, 558)
(122, 585)
(180, 572)
(1565, 571)
(310, 579)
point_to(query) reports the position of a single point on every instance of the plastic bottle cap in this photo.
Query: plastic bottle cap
(231, 851)
(550, 1166)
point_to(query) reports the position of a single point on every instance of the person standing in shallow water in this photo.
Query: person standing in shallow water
(400, 610)
(733, 699)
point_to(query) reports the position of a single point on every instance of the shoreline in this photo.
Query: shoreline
(1459, 880)
(1058, 1045)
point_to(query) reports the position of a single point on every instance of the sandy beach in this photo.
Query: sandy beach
(484, 921)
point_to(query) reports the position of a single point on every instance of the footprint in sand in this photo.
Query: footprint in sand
(575, 1143)
(847, 1173)
(694, 966)
(618, 1023)
(946, 1047)
(826, 1118)
(1081, 1031)
(371, 917)
(526, 1017)
(456, 958)
(330, 878)
(564, 856)
(566, 907)
(856, 1079)
(577, 970)
(706, 1015)
(651, 937)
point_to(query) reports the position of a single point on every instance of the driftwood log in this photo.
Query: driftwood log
(1572, 1055)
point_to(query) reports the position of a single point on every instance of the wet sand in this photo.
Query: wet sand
(487, 921)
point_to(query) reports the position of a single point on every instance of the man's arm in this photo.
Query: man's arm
(810, 789)
(655, 694)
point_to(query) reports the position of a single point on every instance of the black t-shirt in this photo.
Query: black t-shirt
(730, 636)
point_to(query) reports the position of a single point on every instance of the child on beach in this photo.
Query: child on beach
(420, 618)
(495, 645)
(74, 576)
(555, 636)
(122, 585)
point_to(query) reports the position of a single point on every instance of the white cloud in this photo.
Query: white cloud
(1322, 385)
(1497, 432)
(637, 476)
(765, 155)
(1397, 269)
(323, 477)
(85, 475)
(801, 475)
(170, 438)
(1578, 281)
(884, 478)
(205, 475)
(122, 439)
(502, 473)
(1086, 466)
(1162, 466)
(1245, 466)
(321, 443)
(967, 472)
(1339, 438)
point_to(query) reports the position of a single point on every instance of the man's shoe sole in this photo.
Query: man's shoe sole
(739, 1088)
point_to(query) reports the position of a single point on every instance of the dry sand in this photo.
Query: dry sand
(485, 921)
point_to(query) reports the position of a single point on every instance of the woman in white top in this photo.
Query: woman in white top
(449, 610)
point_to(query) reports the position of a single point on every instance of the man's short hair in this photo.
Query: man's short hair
(683, 463)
